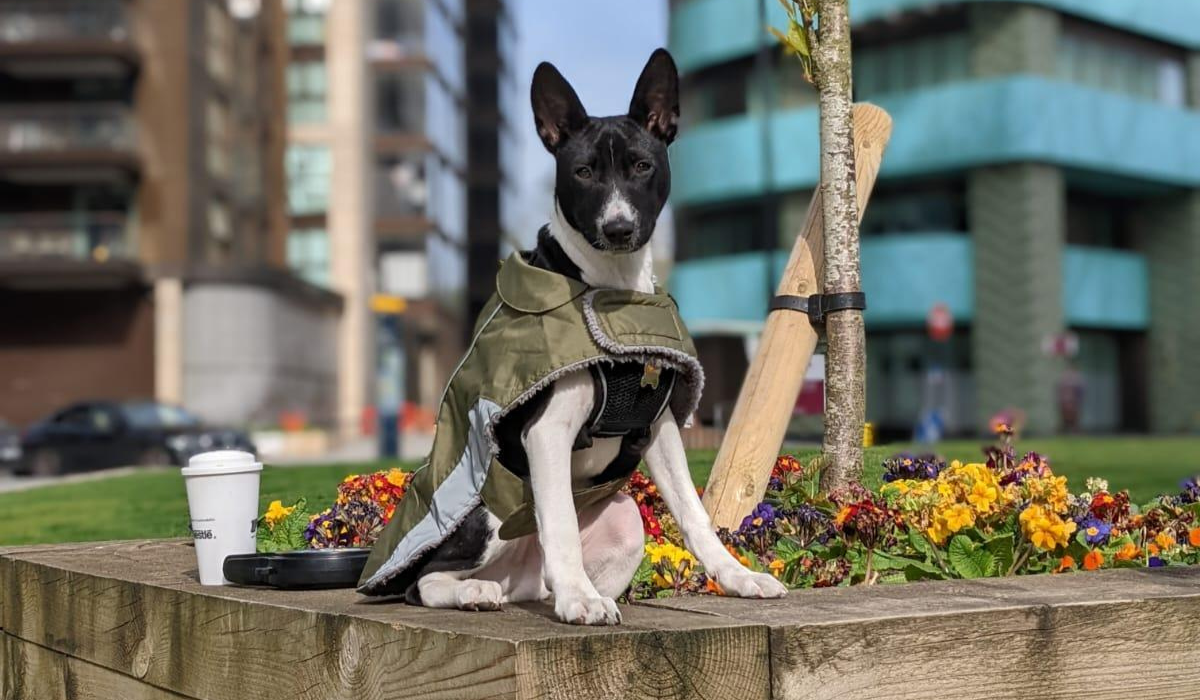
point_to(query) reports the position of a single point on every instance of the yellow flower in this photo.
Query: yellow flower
(669, 560)
(776, 567)
(396, 477)
(1051, 491)
(983, 496)
(276, 512)
(949, 519)
(1044, 528)
(1164, 540)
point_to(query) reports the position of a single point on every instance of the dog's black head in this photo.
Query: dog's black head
(613, 176)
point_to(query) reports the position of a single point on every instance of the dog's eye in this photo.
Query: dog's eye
(584, 173)
(643, 167)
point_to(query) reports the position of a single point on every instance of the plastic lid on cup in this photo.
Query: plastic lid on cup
(221, 462)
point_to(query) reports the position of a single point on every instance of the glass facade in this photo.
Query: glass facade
(307, 88)
(1109, 60)
(309, 169)
(912, 64)
(308, 254)
(306, 21)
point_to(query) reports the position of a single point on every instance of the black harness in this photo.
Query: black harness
(630, 396)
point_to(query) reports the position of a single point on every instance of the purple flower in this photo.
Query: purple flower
(907, 466)
(1156, 562)
(1191, 490)
(1095, 530)
(761, 518)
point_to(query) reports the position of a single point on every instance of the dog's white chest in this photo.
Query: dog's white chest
(589, 462)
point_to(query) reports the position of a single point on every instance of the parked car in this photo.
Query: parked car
(103, 434)
(10, 444)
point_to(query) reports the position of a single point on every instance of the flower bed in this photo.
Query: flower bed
(1005, 515)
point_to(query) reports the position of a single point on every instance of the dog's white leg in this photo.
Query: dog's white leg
(548, 443)
(443, 589)
(613, 543)
(667, 461)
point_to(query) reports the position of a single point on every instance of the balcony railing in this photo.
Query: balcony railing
(97, 236)
(68, 128)
(32, 21)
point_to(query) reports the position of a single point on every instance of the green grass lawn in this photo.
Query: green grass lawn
(153, 504)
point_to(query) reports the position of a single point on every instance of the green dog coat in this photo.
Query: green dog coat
(538, 327)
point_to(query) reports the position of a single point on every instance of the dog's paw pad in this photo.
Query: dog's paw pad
(479, 595)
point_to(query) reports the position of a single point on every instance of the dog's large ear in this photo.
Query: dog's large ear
(557, 111)
(655, 103)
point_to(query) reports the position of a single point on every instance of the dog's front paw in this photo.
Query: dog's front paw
(586, 610)
(744, 583)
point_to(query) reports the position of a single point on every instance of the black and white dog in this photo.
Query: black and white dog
(612, 181)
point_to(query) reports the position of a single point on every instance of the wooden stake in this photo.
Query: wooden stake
(768, 395)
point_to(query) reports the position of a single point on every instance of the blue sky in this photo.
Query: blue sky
(600, 46)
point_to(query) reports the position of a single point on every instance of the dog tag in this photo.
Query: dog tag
(650, 376)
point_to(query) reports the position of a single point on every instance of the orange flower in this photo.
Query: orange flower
(1194, 537)
(776, 567)
(1065, 564)
(1128, 552)
(713, 587)
(1164, 540)
(1153, 549)
(738, 555)
(1093, 560)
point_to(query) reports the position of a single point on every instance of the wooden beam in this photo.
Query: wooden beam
(136, 610)
(31, 672)
(1106, 635)
(764, 405)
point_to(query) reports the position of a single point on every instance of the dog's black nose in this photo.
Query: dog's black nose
(618, 231)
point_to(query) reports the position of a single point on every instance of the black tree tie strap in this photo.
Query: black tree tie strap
(818, 305)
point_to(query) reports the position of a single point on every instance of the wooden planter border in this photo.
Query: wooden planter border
(128, 620)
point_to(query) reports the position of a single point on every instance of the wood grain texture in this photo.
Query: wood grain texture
(31, 672)
(773, 380)
(1108, 635)
(136, 609)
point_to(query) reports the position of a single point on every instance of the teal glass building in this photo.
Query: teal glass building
(1043, 178)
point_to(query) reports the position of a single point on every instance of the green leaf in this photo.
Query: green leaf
(967, 560)
(913, 572)
(797, 39)
(919, 542)
(887, 561)
(1001, 548)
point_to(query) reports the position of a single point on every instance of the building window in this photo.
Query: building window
(404, 273)
(934, 208)
(904, 66)
(306, 83)
(309, 169)
(400, 102)
(713, 93)
(308, 254)
(220, 222)
(218, 136)
(306, 21)
(401, 187)
(401, 22)
(219, 49)
(1109, 60)
(724, 231)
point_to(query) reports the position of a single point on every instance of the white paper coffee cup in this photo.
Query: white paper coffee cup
(222, 491)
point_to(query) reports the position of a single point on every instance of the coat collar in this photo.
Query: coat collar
(532, 289)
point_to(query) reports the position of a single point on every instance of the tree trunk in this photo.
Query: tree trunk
(845, 369)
